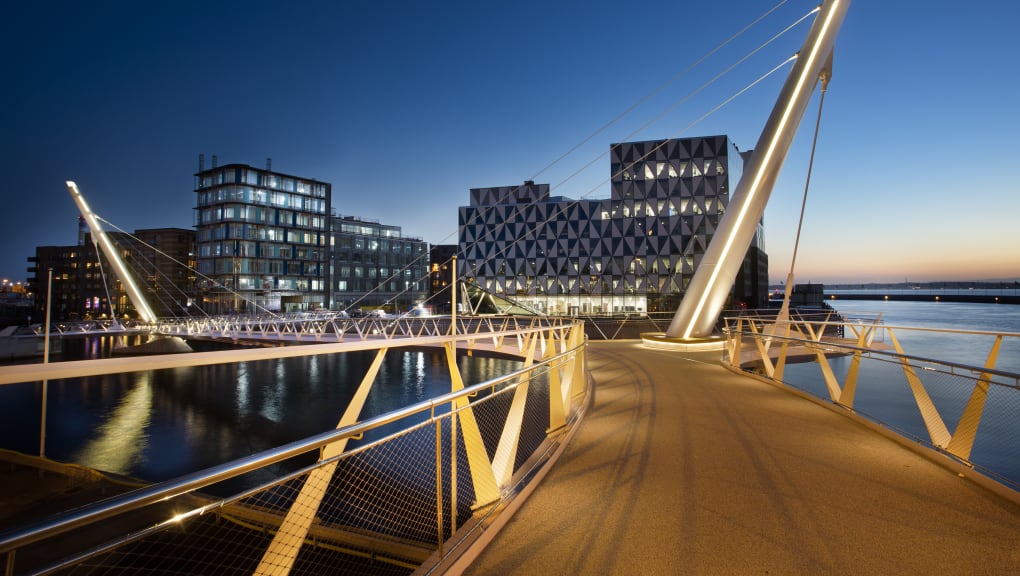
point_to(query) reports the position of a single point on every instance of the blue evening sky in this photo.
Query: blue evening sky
(403, 106)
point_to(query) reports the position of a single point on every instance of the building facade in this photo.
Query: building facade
(263, 240)
(76, 283)
(635, 252)
(441, 277)
(163, 261)
(376, 267)
(84, 284)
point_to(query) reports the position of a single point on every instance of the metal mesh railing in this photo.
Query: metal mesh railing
(407, 488)
(965, 406)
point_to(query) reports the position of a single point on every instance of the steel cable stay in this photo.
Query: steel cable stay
(657, 118)
(186, 267)
(784, 311)
(566, 206)
(493, 230)
(106, 283)
(666, 84)
(165, 289)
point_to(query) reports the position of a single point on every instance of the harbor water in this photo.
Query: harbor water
(998, 318)
(158, 425)
(884, 394)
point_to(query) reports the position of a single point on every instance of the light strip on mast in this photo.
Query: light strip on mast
(759, 175)
(145, 312)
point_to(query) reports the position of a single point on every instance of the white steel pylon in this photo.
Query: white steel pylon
(145, 313)
(710, 286)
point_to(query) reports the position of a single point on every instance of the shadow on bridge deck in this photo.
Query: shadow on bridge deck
(683, 467)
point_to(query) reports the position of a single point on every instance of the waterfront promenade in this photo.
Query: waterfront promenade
(683, 467)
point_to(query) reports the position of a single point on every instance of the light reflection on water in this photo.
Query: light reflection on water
(158, 425)
(120, 440)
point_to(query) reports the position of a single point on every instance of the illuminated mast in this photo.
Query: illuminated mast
(698, 312)
(145, 313)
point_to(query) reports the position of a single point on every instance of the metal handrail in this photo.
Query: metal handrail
(892, 355)
(978, 413)
(190, 482)
(76, 368)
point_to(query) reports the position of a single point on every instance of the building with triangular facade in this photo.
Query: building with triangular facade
(634, 252)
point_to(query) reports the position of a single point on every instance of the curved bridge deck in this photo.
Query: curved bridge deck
(683, 467)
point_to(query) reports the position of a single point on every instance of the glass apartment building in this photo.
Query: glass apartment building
(262, 240)
(634, 252)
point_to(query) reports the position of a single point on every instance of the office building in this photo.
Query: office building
(376, 267)
(441, 276)
(634, 252)
(163, 262)
(84, 283)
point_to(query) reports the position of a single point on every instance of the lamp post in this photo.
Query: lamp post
(46, 360)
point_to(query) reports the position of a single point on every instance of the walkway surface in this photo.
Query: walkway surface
(682, 467)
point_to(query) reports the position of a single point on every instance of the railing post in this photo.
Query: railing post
(453, 470)
(279, 557)
(453, 296)
(482, 474)
(557, 400)
(962, 441)
(46, 360)
(439, 485)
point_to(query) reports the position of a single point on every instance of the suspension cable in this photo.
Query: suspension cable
(596, 132)
(655, 119)
(788, 289)
(102, 273)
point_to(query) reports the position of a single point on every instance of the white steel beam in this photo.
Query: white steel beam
(710, 286)
(145, 313)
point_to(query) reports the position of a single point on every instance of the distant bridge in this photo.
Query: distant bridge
(922, 295)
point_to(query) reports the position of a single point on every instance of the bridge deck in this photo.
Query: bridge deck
(683, 467)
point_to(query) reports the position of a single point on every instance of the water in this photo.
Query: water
(964, 349)
(160, 424)
(883, 393)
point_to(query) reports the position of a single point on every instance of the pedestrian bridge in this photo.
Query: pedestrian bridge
(602, 457)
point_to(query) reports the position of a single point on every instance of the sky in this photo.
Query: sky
(404, 106)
